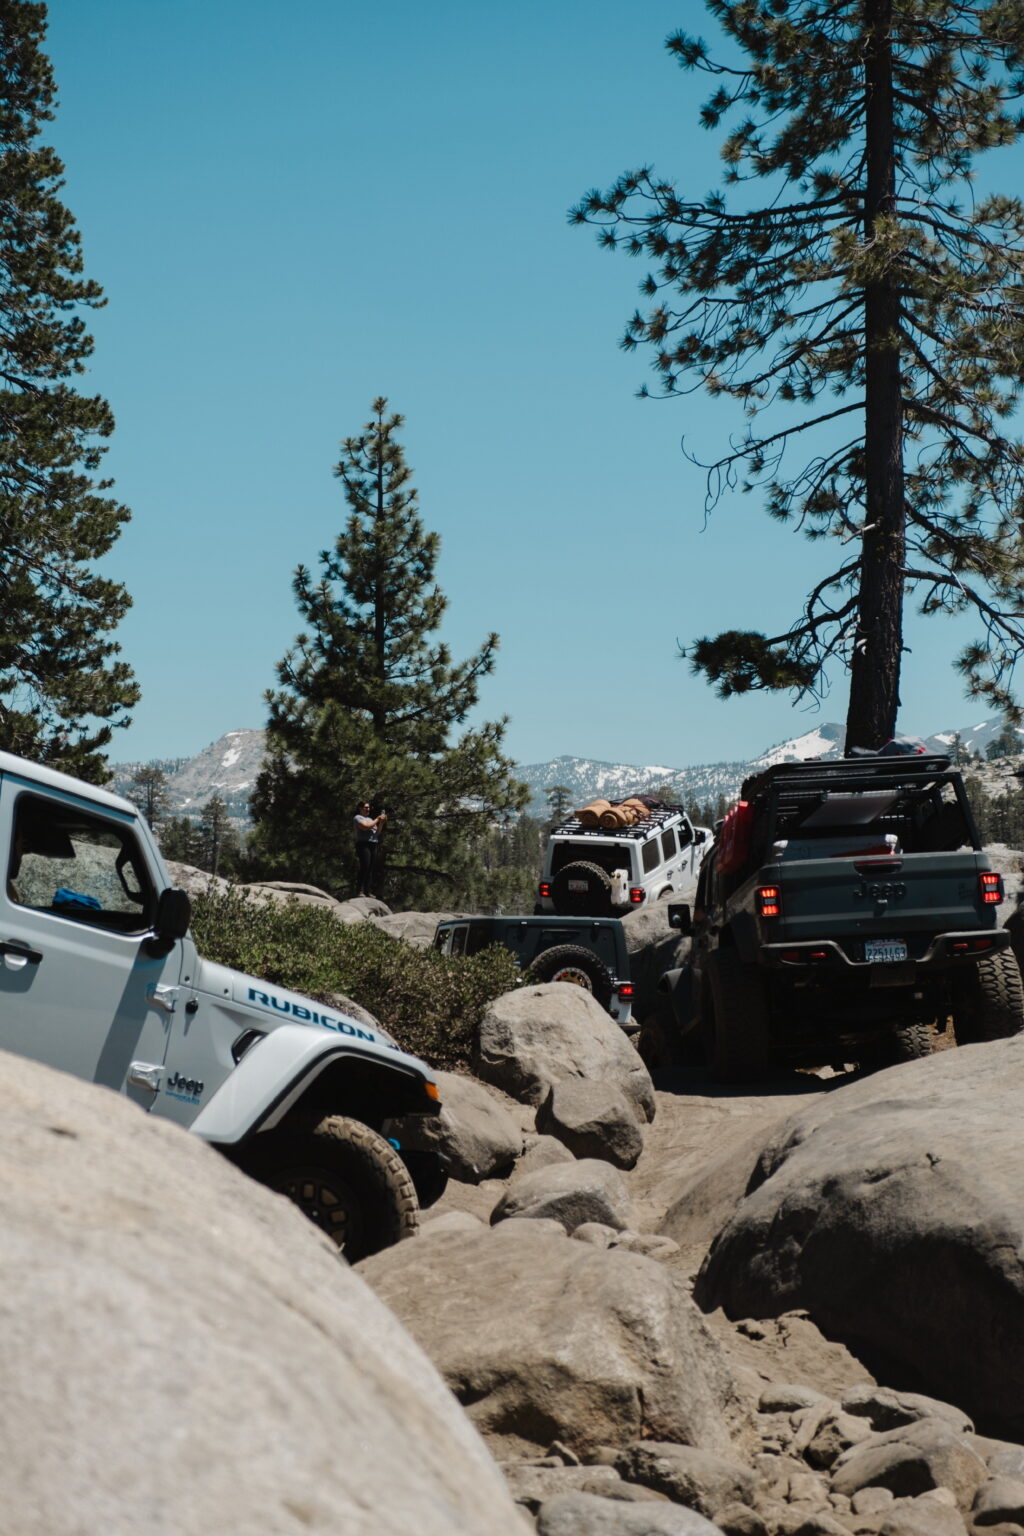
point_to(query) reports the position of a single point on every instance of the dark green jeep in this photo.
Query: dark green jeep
(589, 952)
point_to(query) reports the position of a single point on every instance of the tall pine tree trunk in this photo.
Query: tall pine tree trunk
(875, 665)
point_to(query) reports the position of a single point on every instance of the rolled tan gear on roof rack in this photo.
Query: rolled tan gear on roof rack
(637, 805)
(619, 816)
(590, 815)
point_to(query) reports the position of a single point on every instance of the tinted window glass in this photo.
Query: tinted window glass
(78, 866)
(651, 855)
(668, 843)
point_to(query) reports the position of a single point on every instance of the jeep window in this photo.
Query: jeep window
(458, 942)
(669, 846)
(78, 866)
(651, 855)
(618, 856)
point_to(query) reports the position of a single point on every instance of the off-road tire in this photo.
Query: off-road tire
(581, 967)
(990, 1001)
(900, 1042)
(663, 1047)
(346, 1178)
(912, 1041)
(736, 1032)
(595, 901)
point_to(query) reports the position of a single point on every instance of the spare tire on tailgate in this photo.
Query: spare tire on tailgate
(582, 889)
(572, 963)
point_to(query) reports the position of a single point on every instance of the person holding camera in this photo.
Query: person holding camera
(367, 830)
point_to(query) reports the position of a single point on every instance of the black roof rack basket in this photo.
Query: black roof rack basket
(850, 772)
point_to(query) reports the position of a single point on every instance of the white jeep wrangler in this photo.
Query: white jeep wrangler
(594, 872)
(99, 977)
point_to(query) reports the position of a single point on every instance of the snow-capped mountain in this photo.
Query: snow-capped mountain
(587, 778)
(229, 766)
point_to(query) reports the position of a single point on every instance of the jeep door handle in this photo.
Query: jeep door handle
(20, 951)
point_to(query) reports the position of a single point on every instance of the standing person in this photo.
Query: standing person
(367, 830)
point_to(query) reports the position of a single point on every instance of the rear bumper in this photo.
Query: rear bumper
(945, 952)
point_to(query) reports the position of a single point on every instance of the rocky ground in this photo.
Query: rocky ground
(641, 1308)
(558, 1302)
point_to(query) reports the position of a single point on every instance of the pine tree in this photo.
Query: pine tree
(1006, 743)
(369, 699)
(148, 790)
(180, 839)
(61, 688)
(559, 798)
(218, 845)
(859, 302)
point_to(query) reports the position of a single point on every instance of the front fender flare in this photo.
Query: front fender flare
(276, 1072)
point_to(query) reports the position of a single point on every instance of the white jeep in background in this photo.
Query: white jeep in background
(596, 872)
(100, 978)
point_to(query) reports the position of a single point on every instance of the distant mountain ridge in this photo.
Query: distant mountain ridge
(228, 767)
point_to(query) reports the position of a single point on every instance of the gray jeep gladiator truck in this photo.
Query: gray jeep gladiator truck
(845, 912)
(99, 977)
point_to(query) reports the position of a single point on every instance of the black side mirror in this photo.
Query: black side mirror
(173, 915)
(700, 836)
(679, 917)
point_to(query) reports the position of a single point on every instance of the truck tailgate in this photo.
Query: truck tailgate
(911, 894)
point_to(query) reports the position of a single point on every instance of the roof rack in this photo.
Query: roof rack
(856, 771)
(651, 823)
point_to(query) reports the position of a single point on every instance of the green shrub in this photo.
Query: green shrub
(432, 1004)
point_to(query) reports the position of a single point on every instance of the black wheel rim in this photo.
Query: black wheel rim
(324, 1199)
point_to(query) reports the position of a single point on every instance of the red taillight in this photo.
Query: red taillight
(545, 888)
(991, 886)
(769, 901)
(636, 894)
(626, 989)
(970, 946)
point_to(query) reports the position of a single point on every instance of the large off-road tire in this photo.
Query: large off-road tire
(663, 1047)
(346, 1178)
(990, 1000)
(736, 1034)
(662, 1042)
(581, 967)
(912, 1041)
(901, 1042)
(582, 890)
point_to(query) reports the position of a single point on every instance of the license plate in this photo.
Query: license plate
(578, 885)
(881, 951)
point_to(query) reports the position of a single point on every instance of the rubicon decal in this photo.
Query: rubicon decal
(306, 1015)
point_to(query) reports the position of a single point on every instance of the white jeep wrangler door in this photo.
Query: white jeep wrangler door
(78, 989)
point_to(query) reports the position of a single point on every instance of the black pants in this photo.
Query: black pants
(366, 852)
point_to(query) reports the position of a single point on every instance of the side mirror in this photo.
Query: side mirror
(700, 836)
(173, 915)
(679, 917)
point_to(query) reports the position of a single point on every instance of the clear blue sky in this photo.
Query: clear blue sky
(293, 210)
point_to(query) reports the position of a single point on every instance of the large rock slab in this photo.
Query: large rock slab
(585, 1514)
(473, 1130)
(912, 1460)
(593, 1119)
(545, 1339)
(416, 928)
(184, 1353)
(654, 948)
(535, 1037)
(572, 1194)
(892, 1210)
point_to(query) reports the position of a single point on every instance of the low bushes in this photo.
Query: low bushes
(431, 1004)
